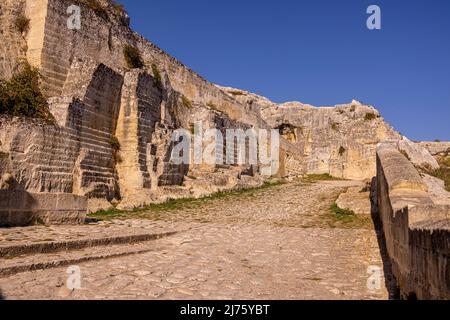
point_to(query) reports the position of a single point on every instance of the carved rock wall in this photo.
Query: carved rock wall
(13, 44)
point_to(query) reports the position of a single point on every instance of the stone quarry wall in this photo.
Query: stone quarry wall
(102, 38)
(417, 231)
(13, 44)
(101, 106)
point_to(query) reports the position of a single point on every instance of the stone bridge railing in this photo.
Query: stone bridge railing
(417, 232)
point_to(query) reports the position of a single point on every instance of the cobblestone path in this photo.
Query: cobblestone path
(278, 243)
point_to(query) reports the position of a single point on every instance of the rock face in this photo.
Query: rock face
(417, 154)
(339, 140)
(112, 140)
(437, 149)
(13, 42)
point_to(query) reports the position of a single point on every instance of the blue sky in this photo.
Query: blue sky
(316, 51)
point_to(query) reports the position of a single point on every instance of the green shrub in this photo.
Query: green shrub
(341, 212)
(445, 161)
(335, 126)
(212, 106)
(236, 93)
(442, 173)
(120, 8)
(133, 57)
(114, 142)
(370, 116)
(21, 96)
(95, 6)
(353, 108)
(115, 145)
(156, 74)
(186, 102)
(22, 23)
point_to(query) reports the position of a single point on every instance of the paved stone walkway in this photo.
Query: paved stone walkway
(278, 243)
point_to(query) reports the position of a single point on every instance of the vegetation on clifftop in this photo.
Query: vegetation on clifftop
(370, 116)
(236, 93)
(96, 6)
(102, 11)
(133, 57)
(21, 96)
(120, 8)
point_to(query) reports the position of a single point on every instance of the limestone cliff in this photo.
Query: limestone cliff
(111, 140)
(101, 105)
(340, 140)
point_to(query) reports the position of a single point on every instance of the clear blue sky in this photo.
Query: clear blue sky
(316, 51)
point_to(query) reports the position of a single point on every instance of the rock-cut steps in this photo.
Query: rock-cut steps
(40, 255)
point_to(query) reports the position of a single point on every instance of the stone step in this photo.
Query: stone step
(17, 265)
(20, 250)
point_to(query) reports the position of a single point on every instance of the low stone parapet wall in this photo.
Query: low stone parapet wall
(21, 208)
(417, 231)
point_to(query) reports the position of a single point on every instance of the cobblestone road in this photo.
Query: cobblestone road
(278, 243)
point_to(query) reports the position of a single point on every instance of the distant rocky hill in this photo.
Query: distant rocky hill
(117, 99)
(339, 140)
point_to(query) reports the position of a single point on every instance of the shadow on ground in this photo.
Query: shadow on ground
(390, 281)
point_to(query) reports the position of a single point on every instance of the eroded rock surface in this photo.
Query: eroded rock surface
(112, 139)
(339, 140)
